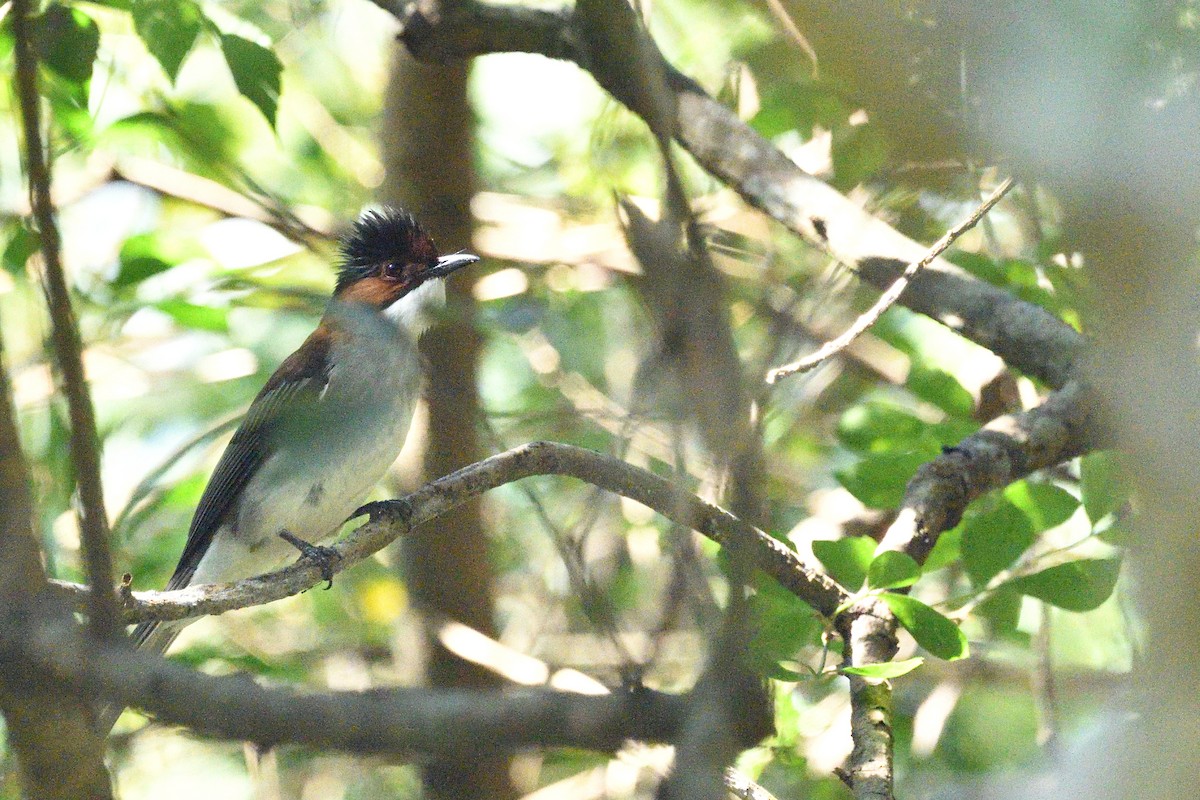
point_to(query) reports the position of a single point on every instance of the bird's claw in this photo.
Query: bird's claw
(382, 508)
(324, 557)
(370, 510)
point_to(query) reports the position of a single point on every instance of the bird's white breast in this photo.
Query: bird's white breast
(310, 487)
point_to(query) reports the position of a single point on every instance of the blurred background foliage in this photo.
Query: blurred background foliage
(207, 154)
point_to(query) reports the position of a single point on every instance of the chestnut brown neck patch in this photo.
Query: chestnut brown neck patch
(372, 290)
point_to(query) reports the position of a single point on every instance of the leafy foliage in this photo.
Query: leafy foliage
(933, 631)
(169, 28)
(887, 671)
(256, 71)
(1075, 586)
(67, 41)
(847, 560)
(892, 570)
(189, 305)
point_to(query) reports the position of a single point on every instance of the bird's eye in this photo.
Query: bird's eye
(395, 271)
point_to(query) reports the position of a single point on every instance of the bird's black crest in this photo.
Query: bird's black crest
(381, 236)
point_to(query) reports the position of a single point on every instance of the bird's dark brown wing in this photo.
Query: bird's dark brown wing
(292, 389)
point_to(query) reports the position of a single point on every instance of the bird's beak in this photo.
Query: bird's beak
(447, 264)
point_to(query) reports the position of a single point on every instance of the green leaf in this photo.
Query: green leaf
(256, 71)
(67, 41)
(169, 28)
(145, 255)
(885, 672)
(866, 426)
(781, 624)
(979, 265)
(846, 559)
(941, 389)
(798, 106)
(953, 430)
(190, 315)
(934, 632)
(1020, 275)
(1024, 279)
(6, 38)
(23, 244)
(139, 260)
(892, 570)
(69, 107)
(1102, 484)
(1001, 611)
(1046, 505)
(1113, 530)
(1076, 586)
(947, 550)
(992, 539)
(858, 151)
(878, 479)
(778, 672)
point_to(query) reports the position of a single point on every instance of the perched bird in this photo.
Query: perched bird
(328, 423)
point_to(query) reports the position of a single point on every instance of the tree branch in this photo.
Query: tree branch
(868, 629)
(1026, 336)
(1006, 450)
(68, 348)
(462, 723)
(390, 519)
(743, 788)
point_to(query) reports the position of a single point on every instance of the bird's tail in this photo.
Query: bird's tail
(156, 637)
(152, 637)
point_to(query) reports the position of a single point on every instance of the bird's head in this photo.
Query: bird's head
(390, 263)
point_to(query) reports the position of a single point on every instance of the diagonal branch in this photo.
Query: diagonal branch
(391, 519)
(1033, 340)
(893, 292)
(68, 348)
(1025, 335)
(1006, 450)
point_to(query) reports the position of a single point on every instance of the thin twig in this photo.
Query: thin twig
(596, 604)
(793, 30)
(307, 229)
(1045, 684)
(889, 297)
(68, 348)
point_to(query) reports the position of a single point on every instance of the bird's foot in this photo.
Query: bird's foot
(324, 557)
(381, 509)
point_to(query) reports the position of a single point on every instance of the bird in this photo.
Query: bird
(327, 424)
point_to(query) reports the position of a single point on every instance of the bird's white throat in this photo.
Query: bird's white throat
(417, 310)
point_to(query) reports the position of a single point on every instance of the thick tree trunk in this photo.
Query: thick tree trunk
(50, 728)
(427, 149)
